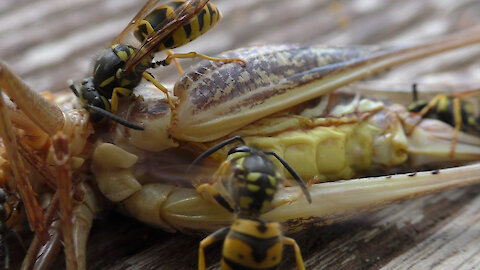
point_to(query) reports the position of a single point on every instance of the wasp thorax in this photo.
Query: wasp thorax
(109, 74)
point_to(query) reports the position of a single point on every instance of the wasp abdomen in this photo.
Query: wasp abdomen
(252, 244)
(444, 110)
(164, 14)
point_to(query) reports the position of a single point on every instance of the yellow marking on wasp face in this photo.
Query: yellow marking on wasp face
(443, 104)
(114, 46)
(253, 188)
(107, 81)
(122, 55)
(245, 202)
(253, 176)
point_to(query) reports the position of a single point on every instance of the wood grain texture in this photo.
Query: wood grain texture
(50, 41)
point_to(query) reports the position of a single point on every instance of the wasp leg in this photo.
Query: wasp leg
(162, 88)
(207, 241)
(118, 91)
(216, 191)
(298, 254)
(168, 60)
(213, 193)
(175, 60)
(33, 209)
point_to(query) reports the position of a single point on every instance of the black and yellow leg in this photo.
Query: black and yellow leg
(298, 255)
(212, 238)
(173, 56)
(118, 91)
(162, 88)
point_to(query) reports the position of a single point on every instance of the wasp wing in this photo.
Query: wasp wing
(142, 13)
(184, 13)
(218, 99)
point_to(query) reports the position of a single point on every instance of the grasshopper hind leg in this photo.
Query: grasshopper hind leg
(34, 114)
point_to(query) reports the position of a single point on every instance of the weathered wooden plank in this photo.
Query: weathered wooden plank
(50, 41)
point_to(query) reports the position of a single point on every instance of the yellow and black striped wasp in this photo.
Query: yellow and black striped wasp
(451, 109)
(121, 67)
(246, 184)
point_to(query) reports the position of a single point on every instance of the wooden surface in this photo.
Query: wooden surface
(50, 41)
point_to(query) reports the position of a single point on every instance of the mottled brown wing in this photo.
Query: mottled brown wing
(184, 13)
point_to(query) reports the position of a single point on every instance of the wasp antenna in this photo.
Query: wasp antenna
(74, 89)
(414, 92)
(212, 150)
(294, 174)
(113, 117)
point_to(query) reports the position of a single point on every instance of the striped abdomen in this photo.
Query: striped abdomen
(252, 244)
(164, 14)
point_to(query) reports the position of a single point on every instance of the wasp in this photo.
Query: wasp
(451, 109)
(121, 67)
(251, 182)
